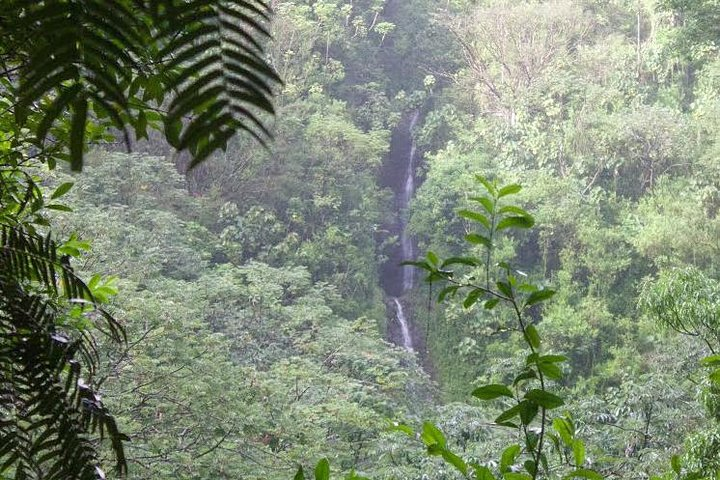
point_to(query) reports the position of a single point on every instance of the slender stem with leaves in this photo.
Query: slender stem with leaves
(529, 398)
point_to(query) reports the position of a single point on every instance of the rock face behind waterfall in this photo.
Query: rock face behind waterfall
(397, 280)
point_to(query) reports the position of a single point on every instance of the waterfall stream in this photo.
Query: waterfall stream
(407, 248)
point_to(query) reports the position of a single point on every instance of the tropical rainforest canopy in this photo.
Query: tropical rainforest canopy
(205, 204)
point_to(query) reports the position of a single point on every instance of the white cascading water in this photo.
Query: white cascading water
(404, 328)
(406, 244)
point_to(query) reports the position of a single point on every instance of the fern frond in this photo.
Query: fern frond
(48, 414)
(216, 66)
(85, 57)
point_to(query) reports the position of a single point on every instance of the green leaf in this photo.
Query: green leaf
(553, 359)
(470, 261)
(475, 216)
(578, 448)
(515, 210)
(431, 435)
(505, 289)
(509, 190)
(486, 203)
(478, 239)
(61, 190)
(532, 336)
(508, 457)
(544, 398)
(483, 473)
(585, 473)
(322, 470)
(539, 296)
(508, 414)
(449, 290)
(300, 475)
(515, 222)
(528, 411)
(675, 463)
(564, 430)
(401, 427)
(488, 186)
(527, 374)
(473, 297)
(491, 392)
(550, 370)
(59, 207)
(432, 259)
(711, 361)
(530, 466)
(492, 303)
(455, 461)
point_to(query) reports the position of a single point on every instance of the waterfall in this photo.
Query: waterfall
(407, 249)
(406, 243)
(404, 328)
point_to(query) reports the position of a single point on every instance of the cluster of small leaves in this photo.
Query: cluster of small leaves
(528, 398)
(196, 67)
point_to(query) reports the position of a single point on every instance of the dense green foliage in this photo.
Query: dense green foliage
(250, 287)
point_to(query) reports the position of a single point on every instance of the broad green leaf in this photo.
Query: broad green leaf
(473, 297)
(515, 210)
(527, 374)
(61, 190)
(515, 222)
(470, 261)
(553, 359)
(585, 473)
(530, 466)
(483, 473)
(528, 411)
(505, 289)
(431, 435)
(475, 216)
(300, 475)
(486, 203)
(492, 303)
(478, 239)
(433, 259)
(401, 427)
(539, 296)
(508, 457)
(508, 414)
(491, 392)
(675, 463)
(564, 430)
(449, 290)
(578, 448)
(455, 461)
(509, 190)
(544, 398)
(532, 336)
(550, 370)
(711, 361)
(59, 207)
(322, 470)
(488, 186)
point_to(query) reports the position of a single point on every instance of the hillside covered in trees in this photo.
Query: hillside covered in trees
(563, 157)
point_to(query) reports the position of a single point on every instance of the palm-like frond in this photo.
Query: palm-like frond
(216, 65)
(47, 412)
(115, 58)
